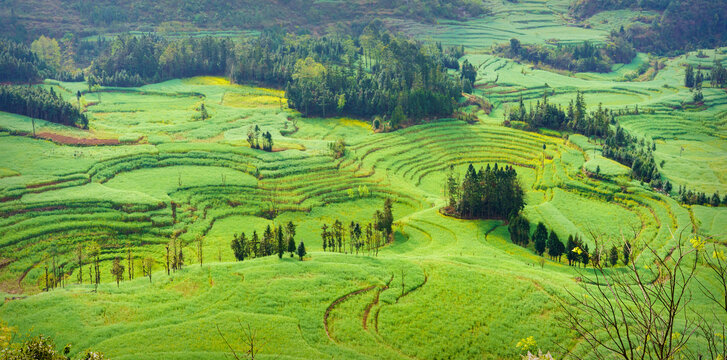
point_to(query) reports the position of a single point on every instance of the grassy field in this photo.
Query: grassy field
(445, 288)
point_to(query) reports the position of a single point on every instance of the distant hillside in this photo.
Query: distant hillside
(683, 24)
(586, 8)
(26, 19)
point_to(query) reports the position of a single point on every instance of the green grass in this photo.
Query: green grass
(468, 291)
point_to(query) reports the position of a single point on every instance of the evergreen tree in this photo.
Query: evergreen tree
(255, 244)
(540, 238)
(290, 229)
(613, 255)
(585, 255)
(281, 247)
(570, 255)
(689, 76)
(519, 229)
(626, 252)
(235, 246)
(301, 251)
(324, 236)
(267, 244)
(553, 245)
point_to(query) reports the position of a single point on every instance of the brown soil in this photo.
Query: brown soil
(69, 140)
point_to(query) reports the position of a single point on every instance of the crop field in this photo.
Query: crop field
(152, 168)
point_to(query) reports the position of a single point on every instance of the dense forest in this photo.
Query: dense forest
(134, 61)
(19, 64)
(683, 24)
(490, 193)
(40, 103)
(376, 74)
(618, 144)
(578, 57)
(147, 15)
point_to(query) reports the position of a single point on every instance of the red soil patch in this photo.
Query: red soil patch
(69, 140)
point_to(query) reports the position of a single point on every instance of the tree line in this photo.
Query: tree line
(19, 64)
(136, 60)
(39, 103)
(253, 138)
(618, 144)
(690, 197)
(680, 25)
(275, 240)
(576, 57)
(366, 238)
(375, 74)
(575, 250)
(491, 192)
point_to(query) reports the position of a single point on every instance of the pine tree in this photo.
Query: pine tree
(554, 245)
(569, 254)
(585, 256)
(613, 256)
(540, 237)
(626, 252)
(281, 247)
(290, 232)
(324, 236)
(689, 76)
(301, 250)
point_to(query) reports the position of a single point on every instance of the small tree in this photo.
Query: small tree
(290, 230)
(613, 256)
(200, 245)
(641, 313)
(301, 250)
(147, 266)
(281, 246)
(117, 270)
(203, 114)
(253, 342)
(540, 238)
(554, 245)
(79, 257)
(626, 252)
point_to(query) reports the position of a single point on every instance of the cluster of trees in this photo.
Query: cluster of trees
(367, 238)
(618, 144)
(253, 138)
(43, 59)
(136, 60)
(374, 74)
(275, 240)
(407, 81)
(624, 148)
(174, 255)
(690, 197)
(575, 250)
(337, 148)
(692, 80)
(44, 348)
(336, 238)
(492, 192)
(19, 64)
(718, 77)
(574, 118)
(576, 57)
(39, 103)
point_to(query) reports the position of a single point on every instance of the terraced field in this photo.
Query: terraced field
(151, 169)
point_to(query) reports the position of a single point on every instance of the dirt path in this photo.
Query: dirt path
(338, 301)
